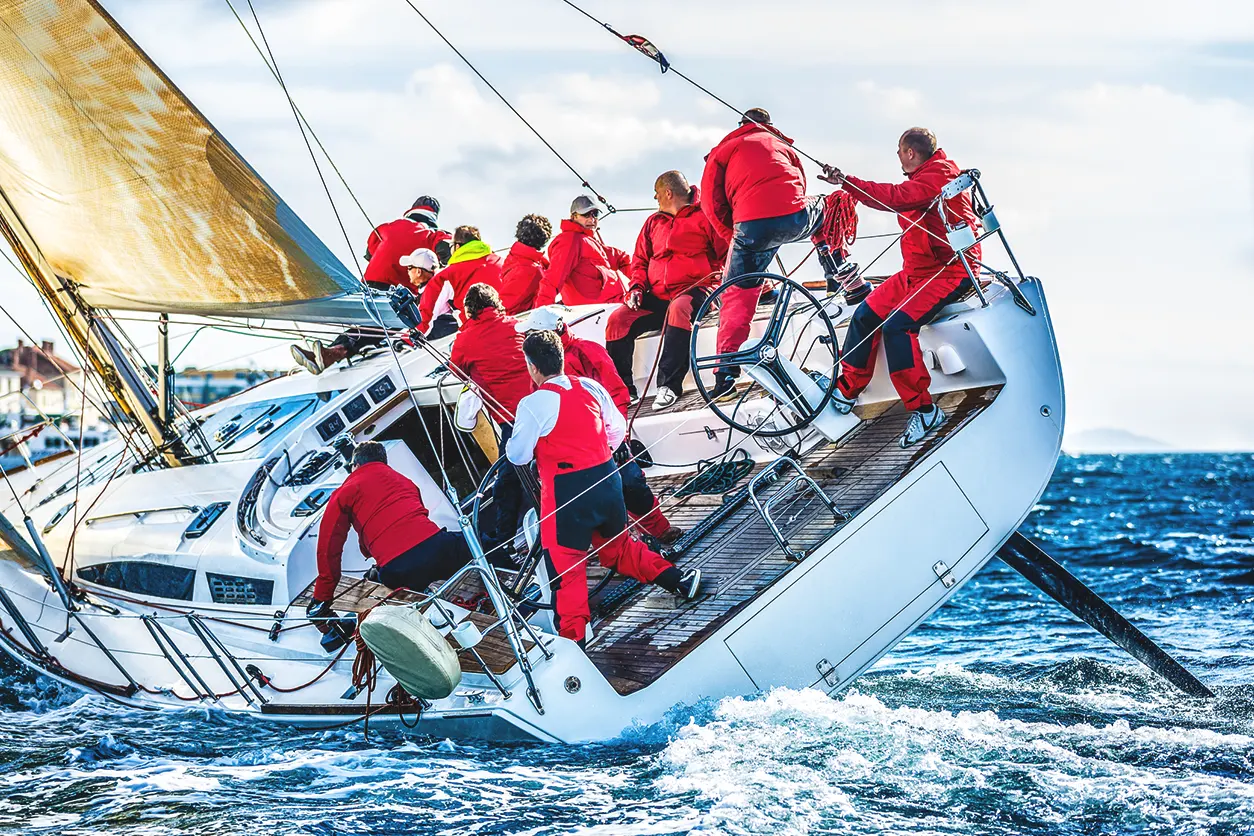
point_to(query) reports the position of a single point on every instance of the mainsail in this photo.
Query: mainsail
(125, 187)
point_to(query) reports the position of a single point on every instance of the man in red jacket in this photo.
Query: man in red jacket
(471, 263)
(388, 242)
(679, 257)
(488, 350)
(394, 528)
(582, 269)
(931, 277)
(754, 192)
(525, 265)
(568, 426)
(585, 358)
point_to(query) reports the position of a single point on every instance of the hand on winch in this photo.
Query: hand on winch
(635, 298)
(337, 630)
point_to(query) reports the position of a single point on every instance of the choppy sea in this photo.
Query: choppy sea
(1001, 714)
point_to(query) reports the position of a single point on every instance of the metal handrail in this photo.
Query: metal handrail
(141, 513)
(770, 475)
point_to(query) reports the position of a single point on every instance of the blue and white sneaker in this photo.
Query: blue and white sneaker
(842, 404)
(921, 424)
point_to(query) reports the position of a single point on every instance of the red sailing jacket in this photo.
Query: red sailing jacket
(585, 358)
(520, 277)
(461, 274)
(925, 252)
(753, 173)
(675, 253)
(582, 269)
(390, 241)
(576, 442)
(488, 349)
(384, 508)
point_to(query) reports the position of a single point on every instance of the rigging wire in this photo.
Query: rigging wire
(274, 67)
(583, 180)
(274, 72)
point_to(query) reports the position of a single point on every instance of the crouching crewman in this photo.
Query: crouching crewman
(393, 526)
(568, 426)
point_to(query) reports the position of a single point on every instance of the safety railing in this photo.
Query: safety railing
(791, 490)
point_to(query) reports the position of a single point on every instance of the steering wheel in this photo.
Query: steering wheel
(795, 304)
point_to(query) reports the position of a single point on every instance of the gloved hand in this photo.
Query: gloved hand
(321, 614)
(336, 630)
(635, 297)
(622, 455)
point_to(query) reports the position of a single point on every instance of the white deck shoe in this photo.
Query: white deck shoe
(920, 424)
(665, 398)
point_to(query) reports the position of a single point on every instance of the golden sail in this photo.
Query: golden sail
(126, 188)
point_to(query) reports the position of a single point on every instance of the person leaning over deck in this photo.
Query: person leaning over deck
(930, 278)
(754, 193)
(420, 266)
(393, 526)
(585, 358)
(568, 426)
(472, 262)
(417, 230)
(488, 350)
(583, 269)
(679, 257)
(525, 265)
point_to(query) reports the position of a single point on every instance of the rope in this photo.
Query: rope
(583, 180)
(715, 477)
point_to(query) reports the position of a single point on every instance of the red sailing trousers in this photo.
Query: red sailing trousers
(894, 312)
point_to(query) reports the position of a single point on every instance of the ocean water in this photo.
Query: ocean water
(1002, 714)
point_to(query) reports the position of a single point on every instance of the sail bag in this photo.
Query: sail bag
(412, 651)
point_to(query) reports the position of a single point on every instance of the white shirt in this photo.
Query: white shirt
(537, 416)
(443, 302)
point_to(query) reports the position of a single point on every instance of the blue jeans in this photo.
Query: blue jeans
(755, 243)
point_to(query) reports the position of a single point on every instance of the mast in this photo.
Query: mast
(95, 340)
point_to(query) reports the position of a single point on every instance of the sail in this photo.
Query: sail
(127, 190)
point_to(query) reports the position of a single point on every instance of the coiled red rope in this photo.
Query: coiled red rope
(840, 223)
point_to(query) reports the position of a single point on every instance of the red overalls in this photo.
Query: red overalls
(581, 506)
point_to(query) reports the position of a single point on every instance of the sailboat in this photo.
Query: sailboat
(172, 566)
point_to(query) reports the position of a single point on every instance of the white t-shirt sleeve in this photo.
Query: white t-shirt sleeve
(444, 302)
(615, 424)
(536, 418)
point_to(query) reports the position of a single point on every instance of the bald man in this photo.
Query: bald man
(679, 257)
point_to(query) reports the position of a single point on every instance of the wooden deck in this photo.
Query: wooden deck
(643, 631)
(357, 595)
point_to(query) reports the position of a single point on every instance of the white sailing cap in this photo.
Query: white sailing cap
(423, 259)
(548, 318)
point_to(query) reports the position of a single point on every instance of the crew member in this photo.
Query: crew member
(569, 426)
(488, 350)
(393, 526)
(471, 263)
(754, 193)
(582, 268)
(420, 266)
(417, 230)
(525, 265)
(586, 358)
(930, 278)
(678, 259)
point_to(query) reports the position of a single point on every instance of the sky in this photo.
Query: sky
(1116, 140)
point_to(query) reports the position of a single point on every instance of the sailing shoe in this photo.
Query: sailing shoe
(842, 404)
(690, 584)
(920, 424)
(665, 398)
(306, 359)
(724, 388)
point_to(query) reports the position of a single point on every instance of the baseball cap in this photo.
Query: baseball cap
(423, 259)
(548, 318)
(583, 205)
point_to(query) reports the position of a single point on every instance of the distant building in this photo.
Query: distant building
(198, 387)
(35, 381)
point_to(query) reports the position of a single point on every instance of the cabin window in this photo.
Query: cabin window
(156, 580)
(232, 589)
(254, 429)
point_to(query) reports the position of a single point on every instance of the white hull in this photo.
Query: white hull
(820, 624)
